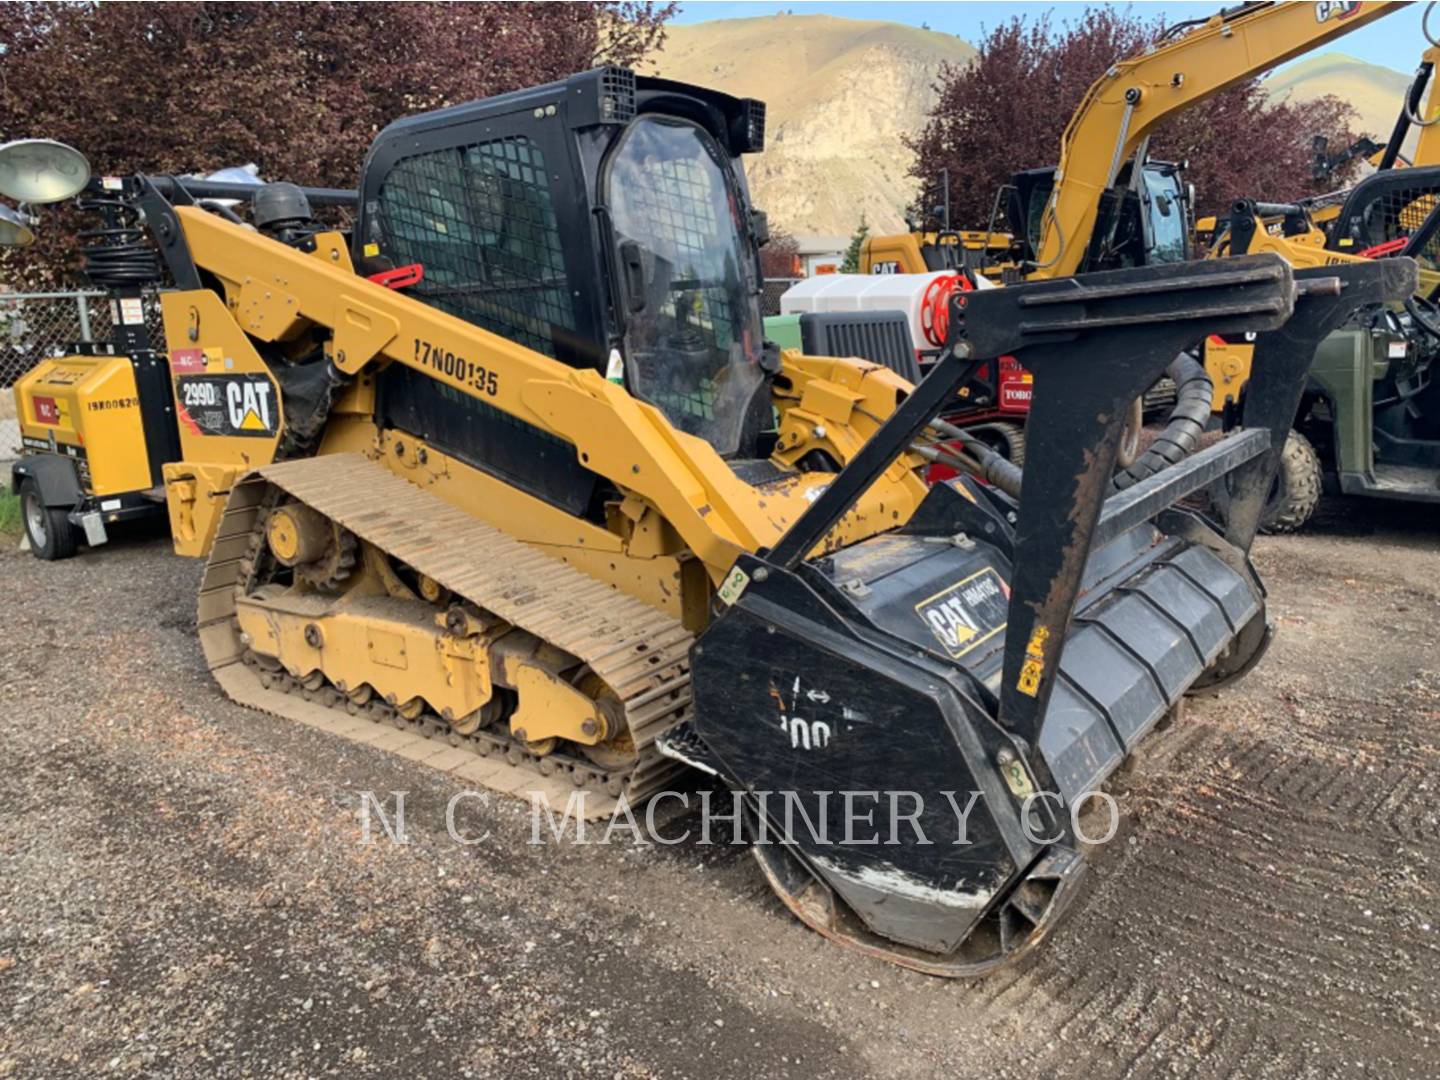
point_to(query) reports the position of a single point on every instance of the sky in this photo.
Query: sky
(1394, 41)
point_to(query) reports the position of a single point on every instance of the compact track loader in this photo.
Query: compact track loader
(511, 469)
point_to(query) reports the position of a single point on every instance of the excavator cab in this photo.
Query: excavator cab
(1146, 222)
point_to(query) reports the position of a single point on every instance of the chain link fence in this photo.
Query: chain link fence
(771, 289)
(34, 326)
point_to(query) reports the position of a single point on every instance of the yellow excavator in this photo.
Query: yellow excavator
(1093, 214)
(1109, 205)
(505, 479)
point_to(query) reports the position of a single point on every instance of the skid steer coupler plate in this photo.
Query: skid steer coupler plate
(914, 719)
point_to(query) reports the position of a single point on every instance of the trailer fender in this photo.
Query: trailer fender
(54, 474)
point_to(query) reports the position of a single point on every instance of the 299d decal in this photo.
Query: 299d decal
(245, 405)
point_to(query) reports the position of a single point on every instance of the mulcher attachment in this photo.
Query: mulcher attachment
(913, 717)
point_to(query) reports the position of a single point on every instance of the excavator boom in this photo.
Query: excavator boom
(1124, 105)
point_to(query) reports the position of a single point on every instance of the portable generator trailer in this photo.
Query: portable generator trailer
(99, 423)
(556, 506)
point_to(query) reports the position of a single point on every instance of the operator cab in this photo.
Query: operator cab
(603, 221)
(1144, 223)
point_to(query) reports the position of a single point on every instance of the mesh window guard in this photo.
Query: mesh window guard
(1392, 215)
(481, 221)
(693, 330)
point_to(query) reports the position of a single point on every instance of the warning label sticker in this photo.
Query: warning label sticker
(244, 405)
(968, 613)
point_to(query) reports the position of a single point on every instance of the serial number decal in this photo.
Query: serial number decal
(457, 367)
(113, 403)
(968, 613)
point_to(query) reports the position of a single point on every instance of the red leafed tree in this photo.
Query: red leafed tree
(300, 89)
(1007, 110)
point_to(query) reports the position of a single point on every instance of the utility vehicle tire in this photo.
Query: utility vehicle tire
(47, 528)
(1296, 492)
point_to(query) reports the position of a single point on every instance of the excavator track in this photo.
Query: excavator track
(641, 654)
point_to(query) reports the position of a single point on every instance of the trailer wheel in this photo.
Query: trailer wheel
(1296, 492)
(47, 528)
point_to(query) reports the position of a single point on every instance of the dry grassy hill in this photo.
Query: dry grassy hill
(1374, 91)
(839, 94)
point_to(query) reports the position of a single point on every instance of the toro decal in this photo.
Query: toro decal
(968, 613)
(244, 405)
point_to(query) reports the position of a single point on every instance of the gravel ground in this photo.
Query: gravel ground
(184, 890)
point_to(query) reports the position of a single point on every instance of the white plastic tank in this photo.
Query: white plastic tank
(917, 295)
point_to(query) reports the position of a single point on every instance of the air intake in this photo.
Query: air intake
(882, 337)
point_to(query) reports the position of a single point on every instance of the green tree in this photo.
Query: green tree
(851, 265)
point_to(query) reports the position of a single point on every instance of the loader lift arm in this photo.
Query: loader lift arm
(273, 288)
(1123, 107)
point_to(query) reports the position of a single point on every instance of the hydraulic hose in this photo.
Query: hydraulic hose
(985, 462)
(1194, 394)
(117, 254)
